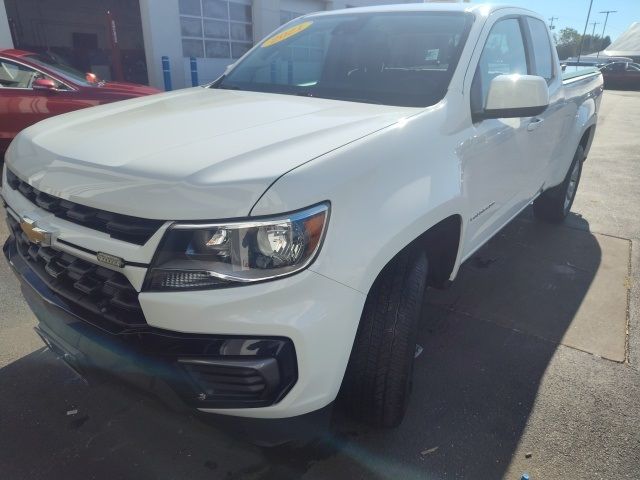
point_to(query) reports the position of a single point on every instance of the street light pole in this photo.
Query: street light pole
(586, 24)
(604, 28)
(551, 27)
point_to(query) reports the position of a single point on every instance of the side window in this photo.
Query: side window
(14, 75)
(503, 54)
(541, 46)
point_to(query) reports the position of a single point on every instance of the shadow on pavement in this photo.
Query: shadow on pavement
(475, 385)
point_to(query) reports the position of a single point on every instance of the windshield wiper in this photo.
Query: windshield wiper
(344, 99)
(308, 93)
(228, 87)
(350, 99)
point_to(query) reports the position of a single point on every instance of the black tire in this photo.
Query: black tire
(378, 381)
(554, 205)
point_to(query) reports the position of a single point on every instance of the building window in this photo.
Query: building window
(287, 16)
(215, 28)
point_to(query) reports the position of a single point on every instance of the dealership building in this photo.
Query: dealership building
(127, 39)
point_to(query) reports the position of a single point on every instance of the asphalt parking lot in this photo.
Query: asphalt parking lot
(530, 364)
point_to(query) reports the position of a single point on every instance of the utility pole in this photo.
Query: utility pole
(551, 27)
(586, 24)
(604, 28)
(593, 34)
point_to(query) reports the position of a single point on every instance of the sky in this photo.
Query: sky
(573, 13)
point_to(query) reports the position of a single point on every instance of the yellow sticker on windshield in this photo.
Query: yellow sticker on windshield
(289, 32)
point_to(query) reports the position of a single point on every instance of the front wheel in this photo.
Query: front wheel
(378, 380)
(553, 205)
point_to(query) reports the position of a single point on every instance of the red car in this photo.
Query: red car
(621, 75)
(34, 87)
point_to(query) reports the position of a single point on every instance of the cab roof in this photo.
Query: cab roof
(477, 9)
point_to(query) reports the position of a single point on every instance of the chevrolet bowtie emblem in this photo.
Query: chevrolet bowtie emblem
(34, 234)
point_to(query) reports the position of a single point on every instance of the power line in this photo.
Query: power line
(607, 12)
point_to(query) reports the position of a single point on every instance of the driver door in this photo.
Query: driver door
(632, 77)
(498, 168)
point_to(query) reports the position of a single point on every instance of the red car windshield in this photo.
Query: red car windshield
(65, 71)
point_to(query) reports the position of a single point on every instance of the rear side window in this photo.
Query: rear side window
(503, 54)
(541, 46)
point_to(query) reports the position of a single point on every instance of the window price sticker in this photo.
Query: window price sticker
(289, 32)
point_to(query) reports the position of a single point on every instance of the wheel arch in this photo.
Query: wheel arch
(441, 243)
(587, 139)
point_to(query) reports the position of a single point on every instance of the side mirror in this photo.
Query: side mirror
(512, 96)
(44, 84)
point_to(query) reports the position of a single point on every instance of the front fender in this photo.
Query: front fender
(385, 191)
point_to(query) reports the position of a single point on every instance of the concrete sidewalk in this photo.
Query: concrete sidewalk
(530, 364)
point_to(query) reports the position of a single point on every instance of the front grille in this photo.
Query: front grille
(105, 294)
(122, 227)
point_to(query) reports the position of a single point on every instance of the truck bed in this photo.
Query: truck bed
(572, 74)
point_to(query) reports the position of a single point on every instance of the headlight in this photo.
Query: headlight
(199, 256)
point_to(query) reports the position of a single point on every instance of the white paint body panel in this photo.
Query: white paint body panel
(198, 153)
(390, 174)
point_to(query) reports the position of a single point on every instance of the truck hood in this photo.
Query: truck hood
(187, 155)
(131, 89)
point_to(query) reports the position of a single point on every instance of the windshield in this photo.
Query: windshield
(65, 71)
(404, 59)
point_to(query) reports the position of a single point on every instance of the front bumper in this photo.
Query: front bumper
(203, 371)
(306, 323)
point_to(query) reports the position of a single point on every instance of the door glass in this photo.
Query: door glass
(503, 54)
(14, 75)
(541, 46)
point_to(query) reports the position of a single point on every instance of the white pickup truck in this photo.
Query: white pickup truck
(260, 246)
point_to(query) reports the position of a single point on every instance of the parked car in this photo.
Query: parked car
(259, 245)
(35, 86)
(621, 75)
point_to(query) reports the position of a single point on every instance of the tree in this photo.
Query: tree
(568, 43)
(569, 36)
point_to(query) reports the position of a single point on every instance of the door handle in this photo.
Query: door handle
(533, 124)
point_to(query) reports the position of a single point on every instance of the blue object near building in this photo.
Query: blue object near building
(194, 72)
(166, 72)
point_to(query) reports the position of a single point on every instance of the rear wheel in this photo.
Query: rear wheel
(378, 380)
(554, 204)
